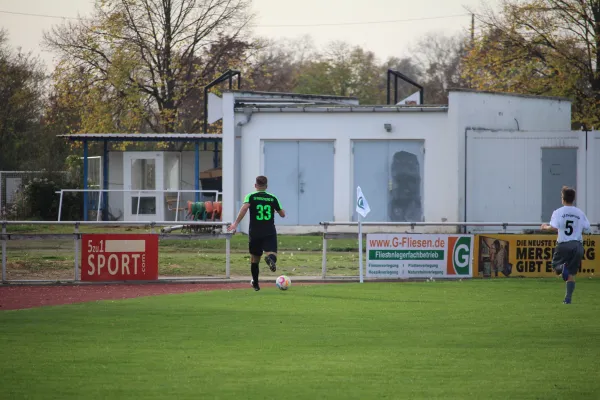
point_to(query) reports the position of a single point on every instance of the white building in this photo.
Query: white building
(486, 157)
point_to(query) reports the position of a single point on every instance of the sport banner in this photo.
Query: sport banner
(499, 256)
(419, 256)
(119, 257)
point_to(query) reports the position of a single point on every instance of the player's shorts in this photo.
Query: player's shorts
(569, 253)
(256, 245)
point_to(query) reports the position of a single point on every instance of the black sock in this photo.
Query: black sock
(254, 270)
(570, 290)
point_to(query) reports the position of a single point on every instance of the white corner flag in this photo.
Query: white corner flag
(362, 207)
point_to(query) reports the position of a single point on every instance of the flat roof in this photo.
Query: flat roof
(529, 96)
(254, 95)
(144, 137)
(343, 108)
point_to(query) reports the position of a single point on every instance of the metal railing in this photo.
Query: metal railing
(139, 193)
(412, 225)
(76, 235)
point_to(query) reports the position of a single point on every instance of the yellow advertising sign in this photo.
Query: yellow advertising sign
(499, 256)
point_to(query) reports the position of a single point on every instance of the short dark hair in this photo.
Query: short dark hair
(261, 181)
(568, 194)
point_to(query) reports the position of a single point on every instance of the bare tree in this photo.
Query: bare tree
(162, 49)
(440, 58)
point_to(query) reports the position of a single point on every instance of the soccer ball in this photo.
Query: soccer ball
(283, 282)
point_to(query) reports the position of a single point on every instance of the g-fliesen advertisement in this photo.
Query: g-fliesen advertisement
(419, 256)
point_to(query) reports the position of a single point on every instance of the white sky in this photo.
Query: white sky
(384, 39)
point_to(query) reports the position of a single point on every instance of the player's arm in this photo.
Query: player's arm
(553, 225)
(241, 214)
(278, 208)
(587, 227)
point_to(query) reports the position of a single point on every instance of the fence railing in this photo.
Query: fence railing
(412, 225)
(139, 194)
(76, 236)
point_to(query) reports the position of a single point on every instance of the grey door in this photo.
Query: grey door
(315, 182)
(281, 169)
(390, 174)
(559, 168)
(300, 174)
(371, 174)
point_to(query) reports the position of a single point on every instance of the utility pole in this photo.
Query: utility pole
(472, 29)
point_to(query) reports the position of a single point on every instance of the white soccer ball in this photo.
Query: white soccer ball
(283, 282)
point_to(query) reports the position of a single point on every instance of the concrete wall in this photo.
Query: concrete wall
(504, 175)
(593, 177)
(504, 112)
(440, 193)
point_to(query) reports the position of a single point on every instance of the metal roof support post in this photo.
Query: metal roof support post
(85, 179)
(216, 155)
(105, 182)
(197, 169)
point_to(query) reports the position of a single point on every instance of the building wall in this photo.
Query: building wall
(504, 175)
(593, 177)
(440, 193)
(502, 112)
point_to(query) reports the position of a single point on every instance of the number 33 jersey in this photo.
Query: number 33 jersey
(570, 222)
(263, 206)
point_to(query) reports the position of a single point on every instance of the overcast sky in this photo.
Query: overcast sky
(384, 38)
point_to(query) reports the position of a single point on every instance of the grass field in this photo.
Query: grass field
(299, 255)
(500, 339)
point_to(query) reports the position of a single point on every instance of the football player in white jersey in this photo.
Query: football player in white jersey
(569, 222)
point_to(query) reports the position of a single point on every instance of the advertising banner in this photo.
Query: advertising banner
(499, 256)
(119, 257)
(419, 256)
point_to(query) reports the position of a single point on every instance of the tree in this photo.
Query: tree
(277, 64)
(343, 70)
(441, 59)
(21, 104)
(546, 47)
(153, 54)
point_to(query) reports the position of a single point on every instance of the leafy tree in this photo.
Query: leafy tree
(138, 63)
(21, 103)
(545, 47)
(343, 70)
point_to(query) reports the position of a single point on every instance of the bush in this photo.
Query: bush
(38, 200)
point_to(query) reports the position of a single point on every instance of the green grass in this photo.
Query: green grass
(443, 340)
(298, 256)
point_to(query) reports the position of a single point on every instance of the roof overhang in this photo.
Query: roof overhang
(144, 137)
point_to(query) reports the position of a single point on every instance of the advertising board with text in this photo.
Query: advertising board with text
(119, 257)
(419, 256)
(499, 256)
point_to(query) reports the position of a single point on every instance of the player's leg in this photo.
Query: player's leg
(559, 258)
(255, 249)
(571, 268)
(270, 248)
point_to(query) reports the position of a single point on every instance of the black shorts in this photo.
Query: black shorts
(256, 245)
(569, 253)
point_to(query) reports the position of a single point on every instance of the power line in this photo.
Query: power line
(272, 26)
(364, 23)
(39, 15)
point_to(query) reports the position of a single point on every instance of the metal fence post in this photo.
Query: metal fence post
(60, 202)
(228, 255)
(3, 252)
(76, 250)
(324, 260)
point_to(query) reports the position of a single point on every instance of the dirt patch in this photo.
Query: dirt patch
(20, 297)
